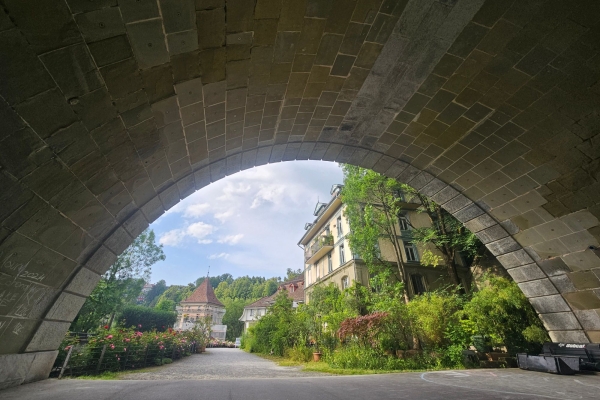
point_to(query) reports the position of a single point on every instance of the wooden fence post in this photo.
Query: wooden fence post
(101, 358)
(67, 358)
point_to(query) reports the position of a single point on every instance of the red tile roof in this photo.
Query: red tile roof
(297, 295)
(204, 294)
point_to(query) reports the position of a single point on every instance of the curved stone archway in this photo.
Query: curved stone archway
(112, 111)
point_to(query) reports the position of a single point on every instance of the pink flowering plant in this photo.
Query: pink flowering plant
(125, 348)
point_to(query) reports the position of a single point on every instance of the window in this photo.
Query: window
(345, 282)
(339, 226)
(342, 256)
(329, 263)
(318, 271)
(418, 284)
(403, 222)
(411, 252)
(251, 312)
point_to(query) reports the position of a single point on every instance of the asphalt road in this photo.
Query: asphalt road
(268, 384)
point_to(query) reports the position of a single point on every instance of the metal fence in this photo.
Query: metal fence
(83, 359)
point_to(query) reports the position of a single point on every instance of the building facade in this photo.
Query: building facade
(329, 259)
(202, 303)
(253, 312)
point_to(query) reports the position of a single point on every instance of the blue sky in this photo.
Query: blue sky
(245, 224)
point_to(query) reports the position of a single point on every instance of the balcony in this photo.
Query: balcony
(321, 246)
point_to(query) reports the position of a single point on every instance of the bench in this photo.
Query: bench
(563, 358)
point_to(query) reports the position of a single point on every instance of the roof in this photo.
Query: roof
(297, 295)
(204, 294)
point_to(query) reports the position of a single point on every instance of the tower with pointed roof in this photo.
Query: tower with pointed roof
(202, 303)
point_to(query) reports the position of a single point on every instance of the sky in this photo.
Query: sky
(248, 223)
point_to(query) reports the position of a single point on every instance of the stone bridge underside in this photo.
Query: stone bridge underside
(114, 110)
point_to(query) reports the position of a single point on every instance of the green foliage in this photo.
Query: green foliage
(501, 312)
(148, 318)
(154, 293)
(233, 311)
(165, 305)
(121, 284)
(292, 273)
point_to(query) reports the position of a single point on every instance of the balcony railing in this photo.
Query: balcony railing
(321, 246)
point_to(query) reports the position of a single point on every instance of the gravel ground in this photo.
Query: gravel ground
(219, 364)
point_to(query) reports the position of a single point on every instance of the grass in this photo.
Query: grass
(322, 366)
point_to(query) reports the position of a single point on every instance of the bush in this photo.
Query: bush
(148, 318)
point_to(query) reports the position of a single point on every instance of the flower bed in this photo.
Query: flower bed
(123, 349)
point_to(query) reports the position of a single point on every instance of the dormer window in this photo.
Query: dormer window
(319, 208)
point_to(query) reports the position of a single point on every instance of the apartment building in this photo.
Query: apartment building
(329, 259)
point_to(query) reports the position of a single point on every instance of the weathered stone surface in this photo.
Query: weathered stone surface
(48, 336)
(115, 110)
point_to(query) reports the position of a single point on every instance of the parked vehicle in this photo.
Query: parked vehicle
(238, 342)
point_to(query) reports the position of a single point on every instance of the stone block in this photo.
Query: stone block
(433, 187)
(211, 28)
(41, 366)
(169, 196)
(100, 24)
(503, 246)
(493, 233)
(83, 282)
(554, 266)
(73, 70)
(480, 223)
(24, 74)
(515, 259)
(66, 307)
(137, 10)
(589, 319)
(182, 42)
(584, 300)
(541, 287)
(48, 336)
(122, 78)
(549, 304)
(178, 15)
(582, 260)
(468, 213)
(526, 273)
(14, 369)
(568, 336)
(189, 92)
(47, 112)
(118, 241)
(562, 321)
(148, 43)
(166, 111)
(584, 280)
(153, 209)
(101, 260)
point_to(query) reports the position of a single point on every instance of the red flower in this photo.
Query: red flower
(105, 326)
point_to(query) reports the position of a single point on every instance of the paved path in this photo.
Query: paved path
(219, 364)
(234, 375)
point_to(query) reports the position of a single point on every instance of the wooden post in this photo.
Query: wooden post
(67, 358)
(146, 356)
(101, 358)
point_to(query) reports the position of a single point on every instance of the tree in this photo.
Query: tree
(446, 233)
(121, 284)
(372, 207)
(233, 311)
(165, 305)
(158, 289)
(292, 273)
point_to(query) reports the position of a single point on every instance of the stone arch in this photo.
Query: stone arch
(491, 108)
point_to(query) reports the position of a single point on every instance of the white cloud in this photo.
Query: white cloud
(196, 210)
(231, 239)
(268, 193)
(198, 231)
(223, 216)
(172, 238)
(220, 255)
